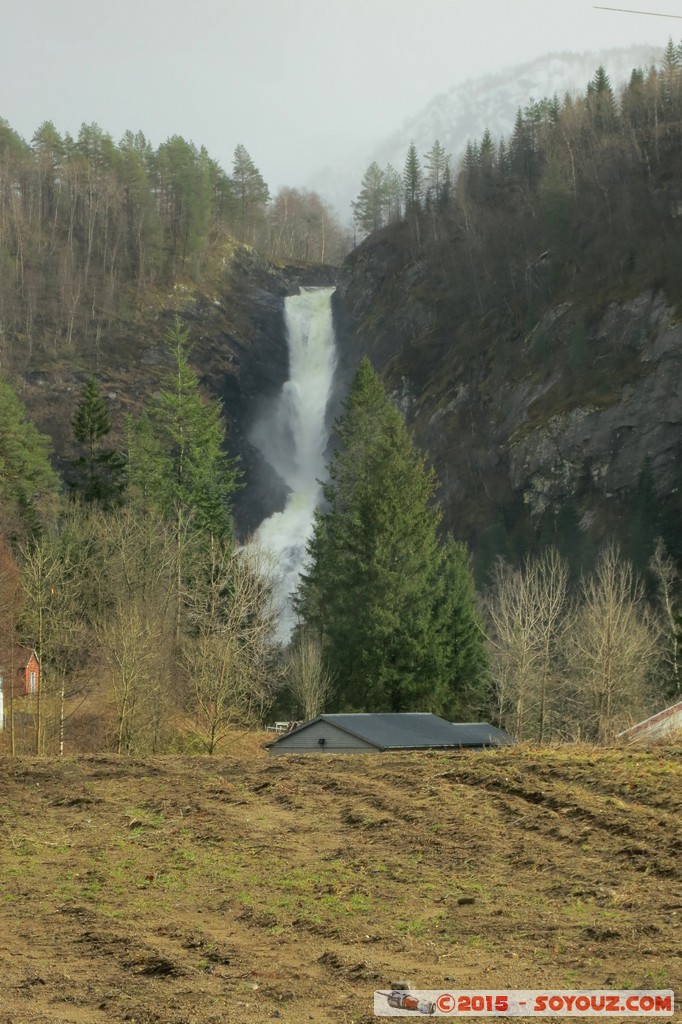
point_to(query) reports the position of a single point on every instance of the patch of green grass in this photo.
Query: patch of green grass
(169, 883)
(91, 890)
(141, 819)
(415, 927)
(285, 902)
(358, 904)
(658, 978)
(577, 909)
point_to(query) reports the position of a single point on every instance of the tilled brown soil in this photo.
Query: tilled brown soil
(244, 889)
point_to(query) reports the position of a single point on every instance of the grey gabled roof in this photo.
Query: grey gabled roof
(411, 730)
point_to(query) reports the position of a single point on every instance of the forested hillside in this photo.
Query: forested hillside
(90, 228)
(140, 317)
(524, 311)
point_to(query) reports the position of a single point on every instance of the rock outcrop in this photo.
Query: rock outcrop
(577, 410)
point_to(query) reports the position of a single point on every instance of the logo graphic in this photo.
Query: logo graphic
(529, 1003)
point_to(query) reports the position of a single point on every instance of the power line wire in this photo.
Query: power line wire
(626, 10)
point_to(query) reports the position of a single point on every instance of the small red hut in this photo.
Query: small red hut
(20, 671)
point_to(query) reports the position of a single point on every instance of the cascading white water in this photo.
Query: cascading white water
(294, 435)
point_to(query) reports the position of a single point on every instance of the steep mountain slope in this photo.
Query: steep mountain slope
(526, 449)
(528, 323)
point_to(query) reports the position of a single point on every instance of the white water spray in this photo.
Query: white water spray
(293, 438)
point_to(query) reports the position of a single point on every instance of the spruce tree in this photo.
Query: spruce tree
(601, 102)
(370, 205)
(413, 181)
(148, 468)
(436, 162)
(522, 152)
(177, 460)
(29, 487)
(98, 474)
(394, 608)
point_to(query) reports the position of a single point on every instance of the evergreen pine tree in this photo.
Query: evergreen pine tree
(671, 58)
(436, 162)
(184, 191)
(91, 421)
(29, 487)
(446, 187)
(187, 454)
(370, 205)
(471, 169)
(147, 468)
(522, 154)
(461, 632)
(99, 472)
(394, 608)
(602, 102)
(486, 163)
(393, 188)
(250, 192)
(413, 181)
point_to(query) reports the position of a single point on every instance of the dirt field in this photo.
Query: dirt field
(253, 888)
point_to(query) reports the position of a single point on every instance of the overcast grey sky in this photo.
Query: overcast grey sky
(298, 82)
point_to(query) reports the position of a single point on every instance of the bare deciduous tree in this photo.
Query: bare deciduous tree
(308, 679)
(615, 649)
(53, 623)
(515, 622)
(136, 585)
(549, 581)
(229, 652)
(527, 609)
(668, 581)
(11, 602)
(130, 638)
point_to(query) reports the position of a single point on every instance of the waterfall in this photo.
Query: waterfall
(293, 436)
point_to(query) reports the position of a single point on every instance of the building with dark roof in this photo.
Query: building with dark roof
(357, 733)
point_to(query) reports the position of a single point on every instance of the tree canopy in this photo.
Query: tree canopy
(180, 448)
(393, 605)
(29, 486)
(98, 473)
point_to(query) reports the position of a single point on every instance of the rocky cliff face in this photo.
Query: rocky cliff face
(258, 366)
(534, 435)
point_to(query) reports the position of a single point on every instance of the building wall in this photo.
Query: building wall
(306, 741)
(32, 667)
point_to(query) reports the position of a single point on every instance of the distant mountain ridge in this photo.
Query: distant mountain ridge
(467, 109)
